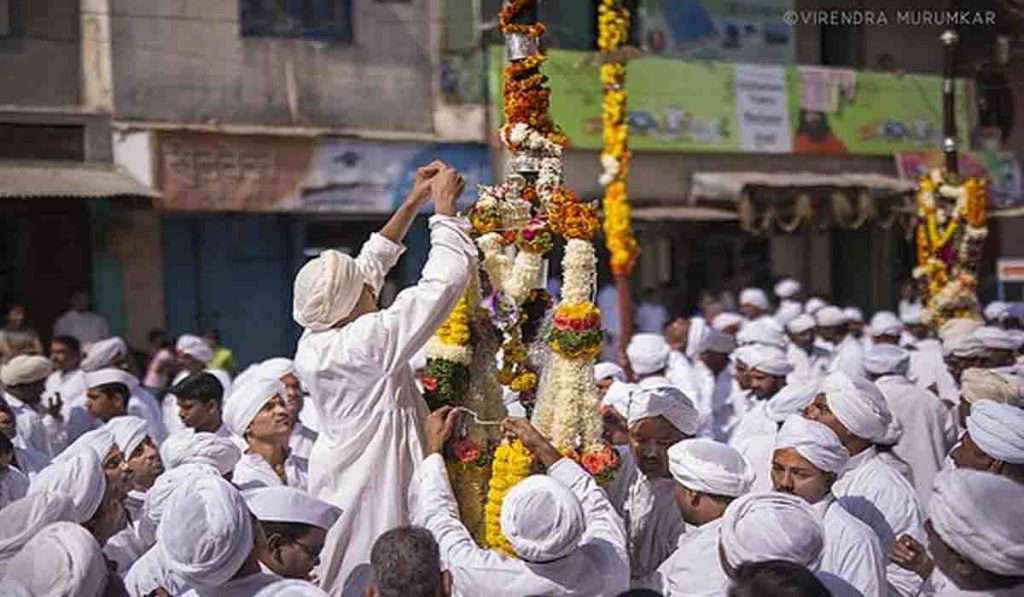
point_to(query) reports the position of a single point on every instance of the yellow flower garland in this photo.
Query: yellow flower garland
(455, 330)
(613, 32)
(512, 463)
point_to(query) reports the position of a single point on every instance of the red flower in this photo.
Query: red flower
(429, 383)
(466, 451)
(593, 462)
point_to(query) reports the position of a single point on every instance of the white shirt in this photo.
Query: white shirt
(253, 471)
(39, 432)
(851, 553)
(13, 485)
(599, 567)
(876, 494)
(302, 440)
(370, 411)
(653, 523)
(926, 364)
(87, 327)
(71, 387)
(721, 408)
(650, 318)
(126, 547)
(696, 381)
(928, 430)
(30, 461)
(247, 586)
(808, 367)
(694, 569)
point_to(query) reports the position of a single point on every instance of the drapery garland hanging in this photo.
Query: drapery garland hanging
(613, 32)
(951, 233)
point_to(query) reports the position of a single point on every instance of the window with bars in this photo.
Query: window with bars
(329, 20)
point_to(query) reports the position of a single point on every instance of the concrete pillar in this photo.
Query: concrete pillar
(96, 56)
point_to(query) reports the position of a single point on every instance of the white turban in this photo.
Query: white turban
(191, 447)
(788, 312)
(542, 519)
(893, 433)
(129, 433)
(24, 369)
(814, 441)
(99, 441)
(697, 337)
(288, 504)
(648, 353)
(159, 495)
(853, 315)
(1018, 338)
(101, 377)
(813, 305)
(766, 332)
(195, 347)
(800, 324)
(205, 534)
(787, 288)
(830, 317)
(770, 360)
(986, 384)
(758, 527)
(998, 429)
(277, 367)
(665, 401)
(744, 354)
(956, 330)
(608, 370)
(247, 401)
(995, 310)
(327, 289)
(912, 315)
(964, 347)
(80, 477)
(858, 405)
(755, 297)
(978, 514)
(23, 519)
(618, 397)
(103, 354)
(995, 338)
(790, 400)
(710, 467)
(885, 323)
(724, 321)
(720, 343)
(290, 587)
(886, 359)
(63, 560)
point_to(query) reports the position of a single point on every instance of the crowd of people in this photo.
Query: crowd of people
(791, 448)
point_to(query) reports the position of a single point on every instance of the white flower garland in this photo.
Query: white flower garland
(525, 276)
(579, 271)
(449, 352)
(520, 136)
(497, 265)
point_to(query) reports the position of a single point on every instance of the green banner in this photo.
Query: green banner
(695, 105)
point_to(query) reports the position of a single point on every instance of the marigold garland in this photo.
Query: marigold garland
(512, 463)
(950, 236)
(613, 33)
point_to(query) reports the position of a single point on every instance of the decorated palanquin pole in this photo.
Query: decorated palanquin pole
(613, 33)
(482, 349)
(951, 224)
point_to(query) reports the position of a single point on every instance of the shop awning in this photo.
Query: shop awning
(68, 179)
(768, 202)
(690, 213)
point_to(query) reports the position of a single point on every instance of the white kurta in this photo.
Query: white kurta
(144, 405)
(247, 586)
(253, 471)
(13, 485)
(721, 408)
(694, 569)
(40, 432)
(653, 523)
(754, 422)
(30, 461)
(927, 431)
(808, 367)
(599, 567)
(125, 548)
(696, 381)
(926, 364)
(71, 387)
(851, 553)
(87, 327)
(876, 494)
(302, 440)
(370, 441)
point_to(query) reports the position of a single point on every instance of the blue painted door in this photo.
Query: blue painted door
(233, 272)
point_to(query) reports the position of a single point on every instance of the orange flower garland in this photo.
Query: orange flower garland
(613, 32)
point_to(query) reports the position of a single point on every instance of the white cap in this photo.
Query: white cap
(724, 321)
(853, 315)
(813, 305)
(800, 324)
(787, 288)
(288, 504)
(755, 297)
(994, 338)
(830, 317)
(885, 323)
(648, 353)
